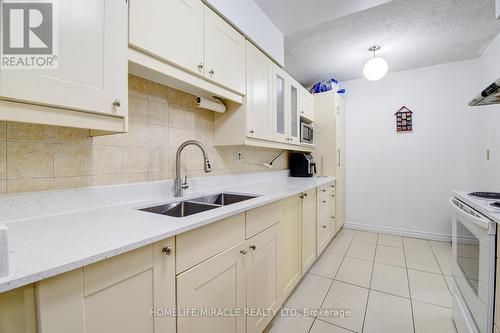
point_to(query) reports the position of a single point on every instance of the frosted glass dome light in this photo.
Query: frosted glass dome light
(375, 68)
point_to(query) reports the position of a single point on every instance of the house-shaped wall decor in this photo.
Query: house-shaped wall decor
(404, 120)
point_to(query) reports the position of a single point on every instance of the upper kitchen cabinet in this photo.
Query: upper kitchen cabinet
(170, 30)
(89, 86)
(259, 98)
(293, 119)
(306, 104)
(224, 52)
(187, 46)
(286, 108)
(269, 116)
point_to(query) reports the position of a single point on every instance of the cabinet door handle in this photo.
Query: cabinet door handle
(253, 247)
(200, 66)
(323, 190)
(324, 226)
(212, 72)
(324, 201)
(167, 250)
(252, 131)
(117, 103)
(243, 252)
(338, 157)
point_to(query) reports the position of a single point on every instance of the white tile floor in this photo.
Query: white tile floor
(386, 284)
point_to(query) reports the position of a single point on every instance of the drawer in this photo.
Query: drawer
(114, 270)
(326, 190)
(325, 219)
(321, 238)
(324, 204)
(200, 244)
(261, 218)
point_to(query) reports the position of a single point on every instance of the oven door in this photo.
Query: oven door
(474, 264)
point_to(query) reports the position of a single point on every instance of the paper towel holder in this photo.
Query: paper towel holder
(216, 103)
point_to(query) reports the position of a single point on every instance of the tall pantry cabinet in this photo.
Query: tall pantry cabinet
(329, 136)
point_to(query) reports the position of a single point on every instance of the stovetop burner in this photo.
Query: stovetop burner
(486, 195)
(495, 204)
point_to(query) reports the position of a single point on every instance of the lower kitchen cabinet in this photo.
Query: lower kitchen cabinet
(326, 219)
(218, 283)
(114, 295)
(262, 277)
(18, 310)
(244, 276)
(308, 218)
(289, 246)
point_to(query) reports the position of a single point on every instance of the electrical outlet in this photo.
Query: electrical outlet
(239, 156)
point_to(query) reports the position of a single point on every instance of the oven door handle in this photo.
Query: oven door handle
(481, 222)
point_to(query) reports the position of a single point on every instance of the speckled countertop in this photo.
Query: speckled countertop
(97, 223)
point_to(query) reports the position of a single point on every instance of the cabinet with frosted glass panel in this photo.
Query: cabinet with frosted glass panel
(285, 107)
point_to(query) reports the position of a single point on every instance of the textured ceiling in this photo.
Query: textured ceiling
(412, 33)
(301, 14)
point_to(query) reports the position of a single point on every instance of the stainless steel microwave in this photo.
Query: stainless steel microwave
(306, 132)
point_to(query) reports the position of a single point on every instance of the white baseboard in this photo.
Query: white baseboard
(399, 232)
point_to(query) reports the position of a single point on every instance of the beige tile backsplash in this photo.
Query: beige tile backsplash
(40, 158)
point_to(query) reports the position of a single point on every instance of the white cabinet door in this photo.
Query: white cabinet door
(293, 110)
(289, 247)
(92, 61)
(280, 106)
(259, 99)
(262, 289)
(306, 108)
(224, 52)
(340, 166)
(171, 30)
(308, 219)
(218, 283)
(114, 295)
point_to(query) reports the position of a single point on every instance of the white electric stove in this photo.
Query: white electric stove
(474, 219)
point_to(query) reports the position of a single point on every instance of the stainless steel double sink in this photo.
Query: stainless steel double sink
(198, 205)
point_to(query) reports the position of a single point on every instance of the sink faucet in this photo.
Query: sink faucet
(179, 185)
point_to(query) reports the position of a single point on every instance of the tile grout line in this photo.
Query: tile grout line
(331, 283)
(370, 284)
(442, 273)
(409, 289)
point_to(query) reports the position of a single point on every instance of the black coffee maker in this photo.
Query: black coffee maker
(302, 165)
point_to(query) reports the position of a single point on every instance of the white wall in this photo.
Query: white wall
(247, 16)
(404, 180)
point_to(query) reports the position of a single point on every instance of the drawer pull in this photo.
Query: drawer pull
(323, 190)
(253, 247)
(243, 252)
(324, 201)
(167, 250)
(324, 226)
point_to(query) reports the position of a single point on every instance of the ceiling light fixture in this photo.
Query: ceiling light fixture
(375, 68)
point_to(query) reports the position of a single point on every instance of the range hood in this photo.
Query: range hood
(490, 95)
